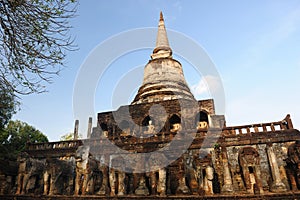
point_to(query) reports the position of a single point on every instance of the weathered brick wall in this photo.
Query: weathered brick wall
(135, 114)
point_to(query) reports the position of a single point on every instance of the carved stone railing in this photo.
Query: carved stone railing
(162, 138)
(53, 145)
(284, 124)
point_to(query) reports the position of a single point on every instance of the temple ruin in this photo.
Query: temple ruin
(255, 160)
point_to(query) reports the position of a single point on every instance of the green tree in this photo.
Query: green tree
(69, 136)
(34, 39)
(15, 135)
(7, 107)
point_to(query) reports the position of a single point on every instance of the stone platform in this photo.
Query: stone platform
(271, 196)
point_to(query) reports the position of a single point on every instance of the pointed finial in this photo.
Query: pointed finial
(161, 17)
(162, 49)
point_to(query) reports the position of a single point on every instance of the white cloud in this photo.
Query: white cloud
(206, 86)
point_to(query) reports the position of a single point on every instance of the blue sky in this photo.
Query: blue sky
(254, 45)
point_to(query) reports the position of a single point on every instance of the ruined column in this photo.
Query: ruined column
(277, 185)
(161, 186)
(208, 180)
(46, 185)
(121, 184)
(289, 121)
(89, 130)
(76, 129)
(228, 186)
(112, 181)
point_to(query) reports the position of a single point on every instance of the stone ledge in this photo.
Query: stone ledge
(286, 196)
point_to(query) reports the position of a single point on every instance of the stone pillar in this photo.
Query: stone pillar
(76, 129)
(208, 180)
(277, 185)
(89, 130)
(121, 184)
(46, 184)
(112, 182)
(161, 186)
(289, 121)
(227, 186)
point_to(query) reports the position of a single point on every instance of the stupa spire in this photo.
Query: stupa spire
(161, 17)
(162, 48)
(163, 75)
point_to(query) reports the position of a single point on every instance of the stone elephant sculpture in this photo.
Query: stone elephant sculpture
(59, 176)
(30, 172)
(293, 165)
(86, 168)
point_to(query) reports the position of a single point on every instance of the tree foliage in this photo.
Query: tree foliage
(34, 39)
(15, 135)
(7, 107)
(69, 136)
